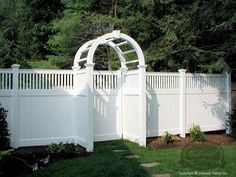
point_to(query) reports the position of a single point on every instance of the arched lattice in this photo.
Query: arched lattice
(88, 49)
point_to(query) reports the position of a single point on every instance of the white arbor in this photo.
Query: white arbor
(131, 84)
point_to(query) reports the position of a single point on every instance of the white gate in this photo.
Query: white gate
(106, 106)
(130, 102)
(116, 101)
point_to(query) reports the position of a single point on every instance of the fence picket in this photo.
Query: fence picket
(59, 79)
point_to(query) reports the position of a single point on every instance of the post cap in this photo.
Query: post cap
(76, 68)
(124, 69)
(116, 33)
(15, 66)
(182, 70)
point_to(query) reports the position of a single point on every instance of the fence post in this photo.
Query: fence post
(182, 102)
(90, 104)
(15, 133)
(76, 90)
(119, 102)
(228, 90)
(228, 87)
(142, 105)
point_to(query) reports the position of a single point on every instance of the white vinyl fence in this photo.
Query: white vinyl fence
(46, 106)
(175, 101)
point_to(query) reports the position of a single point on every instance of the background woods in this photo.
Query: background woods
(199, 35)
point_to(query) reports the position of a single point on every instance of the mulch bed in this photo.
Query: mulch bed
(211, 138)
(41, 152)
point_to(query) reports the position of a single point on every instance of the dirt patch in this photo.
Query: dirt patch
(211, 138)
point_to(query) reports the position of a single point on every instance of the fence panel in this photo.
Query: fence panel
(162, 103)
(43, 95)
(206, 101)
(106, 106)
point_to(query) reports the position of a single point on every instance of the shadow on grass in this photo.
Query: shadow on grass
(103, 162)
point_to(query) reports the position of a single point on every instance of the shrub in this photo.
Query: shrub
(4, 132)
(60, 150)
(196, 133)
(231, 123)
(168, 138)
(6, 153)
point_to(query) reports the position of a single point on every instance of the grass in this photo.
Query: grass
(106, 163)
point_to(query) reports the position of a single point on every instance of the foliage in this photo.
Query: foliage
(25, 28)
(196, 35)
(61, 150)
(168, 138)
(196, 133)
(6, 153)
(191, 37)
(173, 34)
(52, 62)
(86, 20)
(4, 132)
(231, 123)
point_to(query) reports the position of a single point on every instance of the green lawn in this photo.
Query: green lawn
(207, 160)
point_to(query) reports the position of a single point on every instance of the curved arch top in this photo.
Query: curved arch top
(90, 47)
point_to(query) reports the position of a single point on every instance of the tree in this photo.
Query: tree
(25, 29)
(42, 12)
(86, 20)
(194, 35)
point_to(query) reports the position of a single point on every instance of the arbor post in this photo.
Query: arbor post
(142, 105)
(123, 72)
(182, 102)
(119, 104)
(90, 104)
